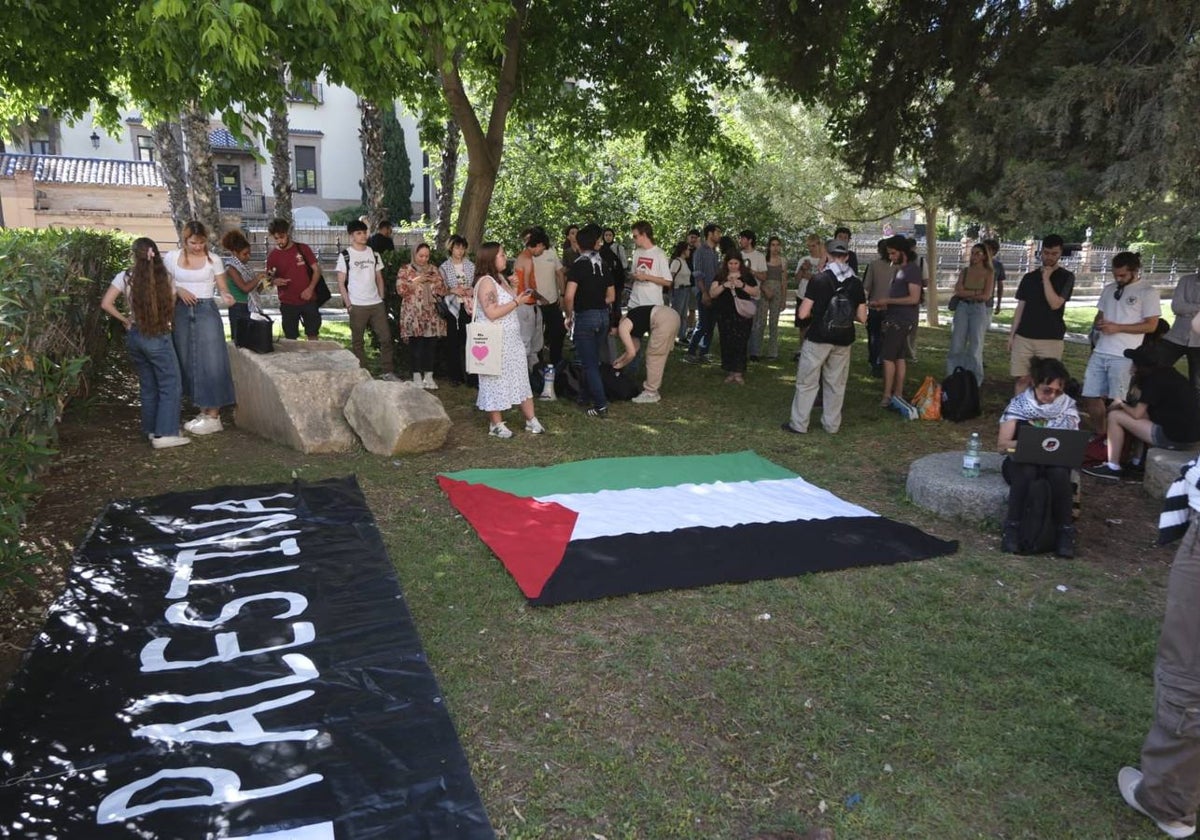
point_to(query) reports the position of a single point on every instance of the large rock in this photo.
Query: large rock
(396, 418)
(1162, 467)
(296, 395)
(936, 483)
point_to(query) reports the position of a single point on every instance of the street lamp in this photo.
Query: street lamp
(95, 138)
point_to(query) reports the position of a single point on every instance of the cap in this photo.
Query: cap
(836, 246)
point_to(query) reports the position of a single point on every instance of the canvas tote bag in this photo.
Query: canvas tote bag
(485, 343)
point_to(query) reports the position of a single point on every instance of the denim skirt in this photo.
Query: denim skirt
(203, 360)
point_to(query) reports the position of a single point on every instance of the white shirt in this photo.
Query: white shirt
(360, 278)
(652, 260)
(755, 260)
(199, 281)
(1139, 300)
(545, 274)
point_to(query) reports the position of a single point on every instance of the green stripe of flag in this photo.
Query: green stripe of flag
(627, 473)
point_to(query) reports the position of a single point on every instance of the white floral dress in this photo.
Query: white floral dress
(511, 387)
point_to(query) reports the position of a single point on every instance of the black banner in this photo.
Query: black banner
(233, 663)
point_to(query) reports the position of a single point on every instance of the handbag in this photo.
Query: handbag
(257, 332)
(953, 303)
(321, 293)
(746, 307)
(485, 344)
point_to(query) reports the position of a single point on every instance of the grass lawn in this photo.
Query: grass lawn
(1079, 318)
(955, 698)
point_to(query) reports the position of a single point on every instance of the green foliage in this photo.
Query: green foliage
(397, 168)
(346, 215)
(51, 325)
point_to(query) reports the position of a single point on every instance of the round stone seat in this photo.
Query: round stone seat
(936, 483)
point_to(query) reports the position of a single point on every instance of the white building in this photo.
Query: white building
(326, 157)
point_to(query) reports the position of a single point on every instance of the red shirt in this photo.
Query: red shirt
(292, 262)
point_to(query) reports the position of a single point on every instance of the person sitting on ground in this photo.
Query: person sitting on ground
(1166, 415)
(662, 322)
(1044, 403)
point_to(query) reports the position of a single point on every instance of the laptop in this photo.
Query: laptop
(1053, 447)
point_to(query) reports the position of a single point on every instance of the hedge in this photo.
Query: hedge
(51, 326)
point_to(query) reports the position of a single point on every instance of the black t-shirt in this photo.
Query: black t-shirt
(639, 316)
(591, 283)
(380, 243)
(820, 292)
(1038, 320)
(1171, 403)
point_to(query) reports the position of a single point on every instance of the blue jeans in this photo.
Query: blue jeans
(158, 381)
(702, 337)
(591, 332)
(203, 359)
(971, 320)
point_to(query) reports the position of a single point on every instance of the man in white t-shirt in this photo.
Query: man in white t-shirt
(360, 281)
(756, 261)
(650, 268)
(1129, 308)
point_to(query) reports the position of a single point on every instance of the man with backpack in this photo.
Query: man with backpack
(834, 301)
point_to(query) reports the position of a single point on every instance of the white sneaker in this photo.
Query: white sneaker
(500, 431)
(429, 384)
(534, 427)
(205, 426)
(194, 422)
(389, 377)
(646, 397)
(1127, 782)
(168, 441)
(417, 380)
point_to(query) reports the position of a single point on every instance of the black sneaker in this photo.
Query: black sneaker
(689, 359)
(598, 413)
(1103, 471)
(787, 427)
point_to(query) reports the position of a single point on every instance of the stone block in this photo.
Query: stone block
(396, 418)
(936, 483)
(1162, 467)
(297, 394)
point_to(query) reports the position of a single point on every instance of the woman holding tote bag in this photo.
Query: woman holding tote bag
(497, 303)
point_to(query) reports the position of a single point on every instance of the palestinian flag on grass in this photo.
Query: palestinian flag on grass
(613, 526)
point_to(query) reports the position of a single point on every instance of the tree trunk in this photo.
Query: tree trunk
(202, 176)
(279, 144)
(484, 149)
(370, 136)
(447, 175)
(931, 258)
(174, 171)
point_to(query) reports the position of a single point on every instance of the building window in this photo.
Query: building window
(306, 168)
(145, 148)
(309, 92)
(40, 147)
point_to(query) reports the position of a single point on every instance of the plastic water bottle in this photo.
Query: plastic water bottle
(971, 457)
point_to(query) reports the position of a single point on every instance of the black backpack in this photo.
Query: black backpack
(618, 384)
(960, 396)
(837, 325)
(1036, 534)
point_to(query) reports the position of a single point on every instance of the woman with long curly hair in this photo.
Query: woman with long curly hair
(150, 296)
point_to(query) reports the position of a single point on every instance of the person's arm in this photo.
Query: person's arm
(631, 344)
(860, 314)
(569, 299)
(610, 294)
(378, 282)
(560, 279)
(343, 290)
(218, 268)
(1006, 438)
(1196, 323)
(404, 281)
(1146, 325)
(716, 288)
(109, 304)
(960, 288)
(1137, 412)
(914, 296)
(245, 284)
(654, 278)
(1185, 300)
(1053, 298)
(752, 289)
(806, 308)
(1016, 322)
(989, 286)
